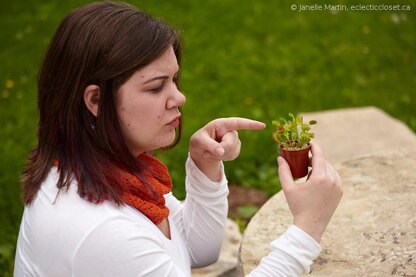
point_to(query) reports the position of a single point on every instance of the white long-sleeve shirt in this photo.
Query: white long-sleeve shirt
(66, 235)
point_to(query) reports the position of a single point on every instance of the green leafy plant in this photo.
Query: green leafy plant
(293, 134)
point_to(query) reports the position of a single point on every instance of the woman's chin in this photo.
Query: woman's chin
(160, 143)
(168, 140)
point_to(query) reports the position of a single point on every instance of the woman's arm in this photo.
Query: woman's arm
(202, 218)
(312, 204)
(291, 254)
(205, 210)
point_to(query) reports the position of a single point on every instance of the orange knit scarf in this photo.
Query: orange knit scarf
(146, 193)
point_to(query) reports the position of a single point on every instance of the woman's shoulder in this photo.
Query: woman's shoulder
(77, 229)
(64, 207)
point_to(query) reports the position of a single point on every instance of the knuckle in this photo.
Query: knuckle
(331, 179)
(320, 178)
(287, 190)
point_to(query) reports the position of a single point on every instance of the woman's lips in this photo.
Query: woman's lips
(175, 123)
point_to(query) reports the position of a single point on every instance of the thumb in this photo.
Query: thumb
(212, 146)
(285, 175)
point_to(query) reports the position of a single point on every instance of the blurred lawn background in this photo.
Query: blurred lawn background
(256, 59)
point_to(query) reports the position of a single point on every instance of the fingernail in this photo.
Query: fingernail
(279, 160)
(219, 151)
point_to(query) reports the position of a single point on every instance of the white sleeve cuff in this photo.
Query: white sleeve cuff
(200, 186)
(299, 245)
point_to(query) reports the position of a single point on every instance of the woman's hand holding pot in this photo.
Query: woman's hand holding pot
(314, 201)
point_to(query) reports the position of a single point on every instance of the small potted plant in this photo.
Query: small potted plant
(293, 138)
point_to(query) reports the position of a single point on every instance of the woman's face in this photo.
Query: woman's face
(148, 105)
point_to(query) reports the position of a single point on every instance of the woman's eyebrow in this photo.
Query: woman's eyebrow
(164, 77)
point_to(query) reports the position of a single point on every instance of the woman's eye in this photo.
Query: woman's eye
(175, 79)
(158, 89)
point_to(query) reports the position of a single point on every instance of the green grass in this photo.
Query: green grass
(256, 59)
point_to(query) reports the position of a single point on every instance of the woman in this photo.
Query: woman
(97, 203)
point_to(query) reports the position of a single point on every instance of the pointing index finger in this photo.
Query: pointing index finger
(238, 123)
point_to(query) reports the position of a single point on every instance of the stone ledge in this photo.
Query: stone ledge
(345, 134)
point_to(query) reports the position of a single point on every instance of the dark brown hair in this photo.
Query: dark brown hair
(103, 44)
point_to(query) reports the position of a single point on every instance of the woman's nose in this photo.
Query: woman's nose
(176, 100)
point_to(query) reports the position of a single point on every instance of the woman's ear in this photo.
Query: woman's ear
(92, 98)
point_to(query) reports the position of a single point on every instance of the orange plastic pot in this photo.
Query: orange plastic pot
(298, 161)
